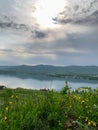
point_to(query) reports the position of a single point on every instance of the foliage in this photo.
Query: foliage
(22, 109)
(65, 89)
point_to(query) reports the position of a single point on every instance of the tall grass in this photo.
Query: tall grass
(22, 109)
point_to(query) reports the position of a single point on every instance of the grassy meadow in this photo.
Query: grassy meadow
(23, 109)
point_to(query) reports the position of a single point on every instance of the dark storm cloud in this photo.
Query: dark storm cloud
(6, 50)
(75, 43)
(91, 4)
(77, 14)
(85, 43)
(15, 18)
(92, 19)
(38, 34)
(9, 23)
(13, 26)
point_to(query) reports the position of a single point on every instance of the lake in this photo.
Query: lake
(14, 82)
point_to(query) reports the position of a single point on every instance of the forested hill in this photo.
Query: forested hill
(48, 71)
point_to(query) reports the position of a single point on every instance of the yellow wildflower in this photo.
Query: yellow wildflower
(82, 101)
(10, 103)
(16, 97)
(12, 96)
(89, 123)
(86, 106)
(94, 123)
(5, 118)
(6, 108)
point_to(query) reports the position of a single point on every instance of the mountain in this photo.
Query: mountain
(50, 72)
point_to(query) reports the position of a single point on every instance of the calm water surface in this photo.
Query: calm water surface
(13, 82)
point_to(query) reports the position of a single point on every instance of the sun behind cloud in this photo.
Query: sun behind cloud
(46, 10)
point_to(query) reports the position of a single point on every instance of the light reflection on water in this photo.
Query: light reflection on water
(13, 82)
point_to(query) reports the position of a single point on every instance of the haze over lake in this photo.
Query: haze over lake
(14, 82)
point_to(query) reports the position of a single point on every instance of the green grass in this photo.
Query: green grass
(23, 109)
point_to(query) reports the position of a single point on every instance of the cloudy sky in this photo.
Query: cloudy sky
(54, 32)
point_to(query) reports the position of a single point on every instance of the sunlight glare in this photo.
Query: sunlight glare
(46, 10)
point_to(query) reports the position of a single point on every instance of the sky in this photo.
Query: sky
(50, 32)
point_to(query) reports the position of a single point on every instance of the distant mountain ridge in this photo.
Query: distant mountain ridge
(49, 71)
